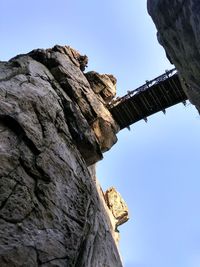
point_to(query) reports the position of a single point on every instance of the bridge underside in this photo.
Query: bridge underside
(156, 95)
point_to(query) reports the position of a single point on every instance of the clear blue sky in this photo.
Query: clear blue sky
(155, 166)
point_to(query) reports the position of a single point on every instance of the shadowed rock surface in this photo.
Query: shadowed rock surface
(53, 126)
(177, 22)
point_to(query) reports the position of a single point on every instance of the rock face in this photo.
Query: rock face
(177, 22)
(53, 126)
(102, 84)
(117, 206)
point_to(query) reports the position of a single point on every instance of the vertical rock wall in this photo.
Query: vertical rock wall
(177, 22)
(53, 125)
(178, 28)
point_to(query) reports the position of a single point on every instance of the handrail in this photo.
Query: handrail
(147, 85)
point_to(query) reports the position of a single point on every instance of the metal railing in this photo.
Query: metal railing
(146, 86)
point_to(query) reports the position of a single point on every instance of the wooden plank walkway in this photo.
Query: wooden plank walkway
(154, 96)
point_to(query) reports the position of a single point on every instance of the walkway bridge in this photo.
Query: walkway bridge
(154, 96)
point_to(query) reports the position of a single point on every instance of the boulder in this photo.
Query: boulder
(117, 206)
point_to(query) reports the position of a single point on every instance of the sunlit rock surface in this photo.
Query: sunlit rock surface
(52, 212)
(103, 84)
(177, 22)
(117, 206)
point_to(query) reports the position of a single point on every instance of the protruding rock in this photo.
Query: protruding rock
(105, 128)
(79, 60)
(103, 84)
(117, 206)
(66, 71)
(105, 133)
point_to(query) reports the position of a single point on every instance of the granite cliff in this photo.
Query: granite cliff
(177, 22)
(54, 127)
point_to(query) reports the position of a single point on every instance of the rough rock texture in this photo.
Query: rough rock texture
(102, 84)
(117, 206)
(177, 22)
(113, 204)
(76, 86)
(51, 211)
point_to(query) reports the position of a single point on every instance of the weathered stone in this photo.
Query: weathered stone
(117, 206)
(105, 133)
(103, 201)
(103, 84)
(73, 82)
(19, 256)
(178, 28)
(79, 60)
(51, 211)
